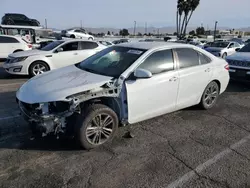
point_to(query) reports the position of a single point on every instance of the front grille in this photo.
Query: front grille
(239, 63)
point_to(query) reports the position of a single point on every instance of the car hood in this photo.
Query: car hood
(29, 53)
(214, 49)
(239, 56)
(58, 84)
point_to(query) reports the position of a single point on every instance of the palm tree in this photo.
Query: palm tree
(187, 7)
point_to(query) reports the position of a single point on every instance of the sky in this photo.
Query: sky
(117, 14)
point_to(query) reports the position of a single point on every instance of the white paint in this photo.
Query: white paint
(9, 117)
(186, 177)
(11, 84)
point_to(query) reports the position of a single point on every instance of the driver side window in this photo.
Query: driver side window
(158, 62)
(72, 46)
(231, 45)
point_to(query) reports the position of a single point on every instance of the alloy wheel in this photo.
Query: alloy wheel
(100, 129)
(39, 69)
(211, 94)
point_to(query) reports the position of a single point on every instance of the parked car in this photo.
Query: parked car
(55, 55)
(19, 19)
(12, 44)
(238, 40)
(120, 41)
(239, 64)
(223, 48)
(106, 43)
(125, 83)
(77, 33)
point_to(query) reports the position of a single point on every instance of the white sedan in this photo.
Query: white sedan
(223, 48)
(125, 83)
(55, 55)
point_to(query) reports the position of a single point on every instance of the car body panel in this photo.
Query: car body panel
(57, 85)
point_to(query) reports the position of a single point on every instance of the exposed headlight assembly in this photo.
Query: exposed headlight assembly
(18, 59)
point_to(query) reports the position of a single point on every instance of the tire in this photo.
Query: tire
(43, 68)
(90, 38)
(85, 123)
(224, 55)
(210, 95)
(72, 36)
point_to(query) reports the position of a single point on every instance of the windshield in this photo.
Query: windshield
(112, 61)
(246, 48)
(52, 45)
(220, 44)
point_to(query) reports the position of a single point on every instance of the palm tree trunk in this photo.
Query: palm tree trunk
(187, 21)
(177, 25)
(183, 24)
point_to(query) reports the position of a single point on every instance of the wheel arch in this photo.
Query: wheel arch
(18, 50)
(111, 102)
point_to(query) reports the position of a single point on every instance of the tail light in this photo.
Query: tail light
(227, 67)
(29, 45)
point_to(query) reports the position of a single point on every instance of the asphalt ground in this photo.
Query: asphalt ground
(189, 148)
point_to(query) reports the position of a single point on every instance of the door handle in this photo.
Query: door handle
(173, 79)
(207, 70)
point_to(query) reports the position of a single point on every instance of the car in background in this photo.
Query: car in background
(239, 64)
(247, 41)
(19, 19)
(12, 44)
(120, 41)
(106, 43)
(239, 40)
(223, 48)
(78, 33)
(55, 55)
(123, 84)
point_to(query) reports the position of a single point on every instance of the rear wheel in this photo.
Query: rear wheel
(210, 95)
(37, 68)
(97, 126)
(72, 36)
(17, 51)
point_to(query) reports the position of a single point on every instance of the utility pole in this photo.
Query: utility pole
(146, 27)
(134, 27)
(46, 23)
(215, 28)
(158, 32)
(81, 23)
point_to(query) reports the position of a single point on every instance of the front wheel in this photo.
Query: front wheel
(210, 95)
(37, 68)
(97, 126)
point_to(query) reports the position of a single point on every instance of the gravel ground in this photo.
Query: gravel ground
(188, 148)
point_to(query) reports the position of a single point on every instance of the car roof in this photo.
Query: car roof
(153, 45)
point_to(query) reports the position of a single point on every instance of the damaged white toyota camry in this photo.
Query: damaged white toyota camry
(122, 84)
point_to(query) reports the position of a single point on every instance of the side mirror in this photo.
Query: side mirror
(142, 73)
(59, 50)
(237, 49)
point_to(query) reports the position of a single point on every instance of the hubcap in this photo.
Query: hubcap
(100, 129)
(211, 94)
(39, 69)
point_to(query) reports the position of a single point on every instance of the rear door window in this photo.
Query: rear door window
(187, 57)
(4, 39)
(86, 45)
